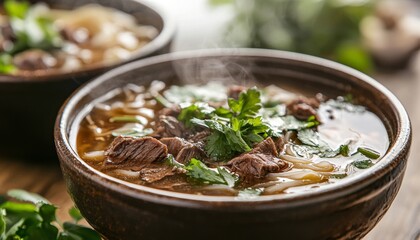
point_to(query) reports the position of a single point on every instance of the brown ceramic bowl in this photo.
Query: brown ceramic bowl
(29, 104)
(345, 210)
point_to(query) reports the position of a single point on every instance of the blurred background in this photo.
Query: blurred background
(369, 35)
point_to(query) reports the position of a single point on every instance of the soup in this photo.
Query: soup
(228, 140)
(38, 39)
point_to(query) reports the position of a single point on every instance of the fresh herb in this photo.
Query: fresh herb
(132, 132)
(6, 64)
(338, 175)
(344, 150)
(198, 110)
(290, 123)
(312, 143)
(370, 153)
(236, 129)
(33, 217)
(363, 164)
(162, 100)
(198, 171)
(250, 193)
(31, 28)
(247, 105)
(315, 144)
(16, 9)
(126, 118)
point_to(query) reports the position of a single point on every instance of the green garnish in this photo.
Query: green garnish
(198, 110)
(198, 171)
(6, 64)
(34, 218)
(126, 118)
(248, 193)
(132, 132)
(32, 29)
(363, 164)
(370, 153)
(338, 175)
(344, 150)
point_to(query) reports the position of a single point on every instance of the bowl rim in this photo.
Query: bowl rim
(328, 192)
(164, 37)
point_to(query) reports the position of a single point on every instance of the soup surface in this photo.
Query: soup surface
(229, 141)
(38, 39)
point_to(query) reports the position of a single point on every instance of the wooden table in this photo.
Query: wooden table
(401, 222)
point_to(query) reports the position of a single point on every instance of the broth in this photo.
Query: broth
(279, 147)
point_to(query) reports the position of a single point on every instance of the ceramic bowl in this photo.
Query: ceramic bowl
(29, 104)
(345, 210)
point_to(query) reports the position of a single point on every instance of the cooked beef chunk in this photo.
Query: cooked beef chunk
(175, 144)
(193, 151)
(267, 147)
(303, 107)
(34, 60)
(279, 142)
(173, 111)
(235, 90)
(136, 153)
(260, 161)
(168, 126)
(182, 150)
(156, 172)
(7, 32)
(250, 166)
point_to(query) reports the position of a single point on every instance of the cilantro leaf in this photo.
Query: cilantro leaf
(314, 144)
(197, 110)
(83, 233)
(248, 193)
(247, 105)
(26, 196)
(344, 150)
(75, 214)
(199, 171)
(363, 164)
(36, 219)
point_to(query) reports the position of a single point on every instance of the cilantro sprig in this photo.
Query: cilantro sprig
(32, 217)
(198, 171)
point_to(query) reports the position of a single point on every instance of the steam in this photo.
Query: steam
(201, 70)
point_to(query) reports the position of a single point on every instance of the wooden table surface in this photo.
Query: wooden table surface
(402, 221)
